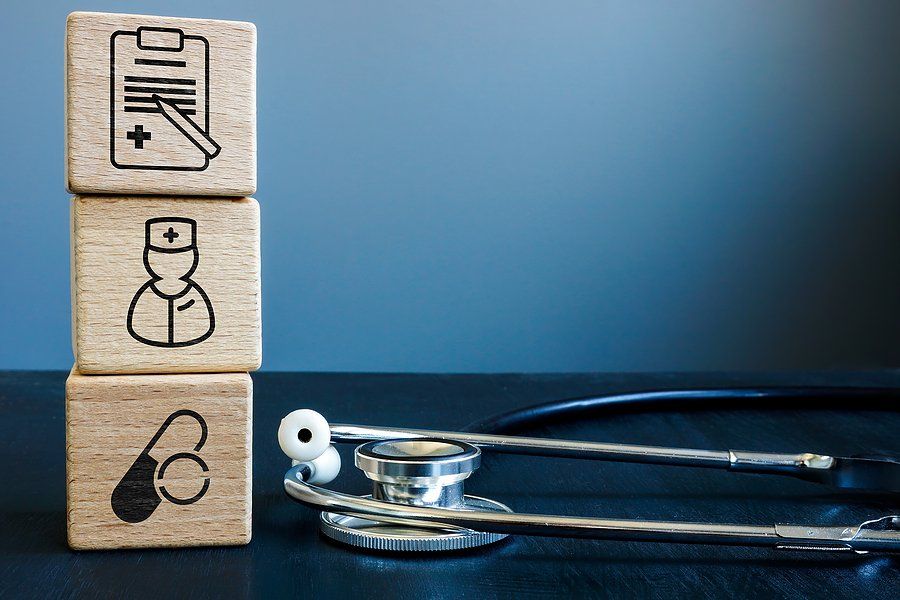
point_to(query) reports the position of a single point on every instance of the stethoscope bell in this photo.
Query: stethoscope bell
(426, 472)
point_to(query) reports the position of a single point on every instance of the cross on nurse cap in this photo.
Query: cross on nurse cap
(171, 234)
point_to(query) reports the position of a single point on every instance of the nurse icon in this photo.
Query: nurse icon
(170, 310)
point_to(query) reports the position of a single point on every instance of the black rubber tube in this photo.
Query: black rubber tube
(790, 398)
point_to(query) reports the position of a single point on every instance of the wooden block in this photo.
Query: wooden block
(165, 285)
(158, 460)
(160, 105)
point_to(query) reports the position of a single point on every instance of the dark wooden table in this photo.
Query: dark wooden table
(288, 556)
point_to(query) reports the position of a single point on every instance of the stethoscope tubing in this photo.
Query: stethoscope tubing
(777, 397)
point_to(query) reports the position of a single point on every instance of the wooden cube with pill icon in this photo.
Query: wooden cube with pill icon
(158, 460)
(165, 285)
(160, 105)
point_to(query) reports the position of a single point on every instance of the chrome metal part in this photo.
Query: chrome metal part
(376, 535)
(881, 474)
(423, 472)
(879, 535)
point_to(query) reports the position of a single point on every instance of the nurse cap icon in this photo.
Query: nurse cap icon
(170, 234)
(170, 310)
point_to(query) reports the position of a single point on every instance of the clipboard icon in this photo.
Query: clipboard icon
(159, 100)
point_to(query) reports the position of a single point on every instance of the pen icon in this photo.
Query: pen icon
(187, 127)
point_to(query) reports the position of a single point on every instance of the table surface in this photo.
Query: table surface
(287, 555)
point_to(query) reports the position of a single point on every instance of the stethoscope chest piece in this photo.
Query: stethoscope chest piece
(422, 472)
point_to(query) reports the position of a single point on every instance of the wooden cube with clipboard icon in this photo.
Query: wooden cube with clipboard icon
(172, 100)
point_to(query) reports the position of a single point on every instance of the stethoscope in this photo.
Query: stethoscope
(418, 501)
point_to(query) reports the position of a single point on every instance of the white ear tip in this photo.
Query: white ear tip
(304, 435)
(325, 468)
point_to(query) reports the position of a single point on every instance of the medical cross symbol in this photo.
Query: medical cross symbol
(170, 235)
(139, 135)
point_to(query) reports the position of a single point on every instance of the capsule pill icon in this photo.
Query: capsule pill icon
(141, 490)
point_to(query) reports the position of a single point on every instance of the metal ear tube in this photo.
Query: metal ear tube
(418, 502)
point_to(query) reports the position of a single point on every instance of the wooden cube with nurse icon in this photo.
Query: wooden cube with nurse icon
(165, 285)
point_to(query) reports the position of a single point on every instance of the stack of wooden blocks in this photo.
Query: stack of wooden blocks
(161, 156)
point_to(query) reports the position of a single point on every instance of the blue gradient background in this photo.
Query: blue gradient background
(525, 186)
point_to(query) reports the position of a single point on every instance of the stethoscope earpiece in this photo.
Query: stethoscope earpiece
(324, 468)
(304, 435)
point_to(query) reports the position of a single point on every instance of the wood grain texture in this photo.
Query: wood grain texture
(109, 236)
(109, 422)
(103, 107)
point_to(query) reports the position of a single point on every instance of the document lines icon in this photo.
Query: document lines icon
(159, 100)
